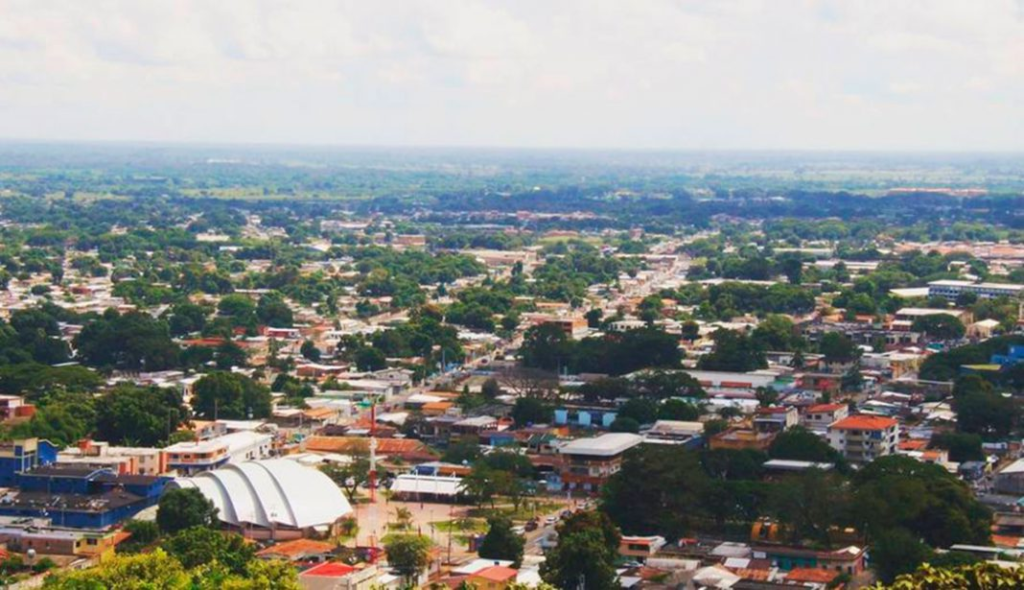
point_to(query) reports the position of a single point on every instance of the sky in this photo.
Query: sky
(629, 74)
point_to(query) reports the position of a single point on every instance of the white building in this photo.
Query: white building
(203, 455)
(276, 499)
(864, 438)
(951, 289)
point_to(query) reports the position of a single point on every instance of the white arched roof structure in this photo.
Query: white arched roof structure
(272, 492)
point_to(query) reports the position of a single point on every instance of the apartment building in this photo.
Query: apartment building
(863, 438)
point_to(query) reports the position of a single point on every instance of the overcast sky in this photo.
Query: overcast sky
(776, 74)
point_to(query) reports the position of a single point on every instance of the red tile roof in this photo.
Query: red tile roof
(813, 575)
(864, 423)
(822, 408)
(496, 573)
(330, 569)
(297, 549)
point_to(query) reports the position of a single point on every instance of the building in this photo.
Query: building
(14, 406)
(1010, 479)
(820, 416)
(585, 416)
(192, 457)
(495, 577)
(951, 289)
(742, 438)
(123, 460)
(17, 456)
(676, 432)
(587, 463)
(776, 418)
(81, 496)
(863, 438)
(640, 548)
(275, 499)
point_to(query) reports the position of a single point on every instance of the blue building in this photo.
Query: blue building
(1012, 357)
(18, 456)
(81, 496)
(585, 417)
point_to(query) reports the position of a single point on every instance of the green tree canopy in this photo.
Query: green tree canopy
(230, 396)
(184, 508)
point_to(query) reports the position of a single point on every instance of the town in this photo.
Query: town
(385, 394)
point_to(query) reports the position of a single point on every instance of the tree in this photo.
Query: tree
(369, 358)
(676, 409)
(199, 545)
(273, 311)
(309, 351)
(656, 491)
(982, 411)
(230, 396)
(183, 508)
(146, 570)
(896, 552)
(144, 416)
(976, 576)
(940, 326)
(800, 444)
(350, 476)
(529, 410)
(922, 498)
(593, 318)
(490, 389)
(186, 318)
(690, 330)
(545, 347)
(501, 542)
(766, 396)
(838, 348)
(133, 341)
(809, 504)
(230, 355)
(777, 332)
(408, 555)
(961, 446)
(640, 410)
(733, 352)
(585, 555)
(624, 424)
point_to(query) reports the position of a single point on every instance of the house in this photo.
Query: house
(775, 418)
(1010, 479)
(640, 548)
(820, 416)
(587, 463)
(299, 550)
(863, 438)
(495, 577)
(676, 432)
(849, 560)
(742, 438)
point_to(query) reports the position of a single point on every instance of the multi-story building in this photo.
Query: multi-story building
(587, 463)
(193, 457)
(862, 438)
(820, 416)
(951, 289)
(17, 456)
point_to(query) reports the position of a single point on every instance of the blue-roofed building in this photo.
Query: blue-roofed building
(1013, 356)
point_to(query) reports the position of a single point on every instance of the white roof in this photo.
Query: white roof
(1015, 467)
(232, 442)
(271, 492)
(427, 484)
(606, 445)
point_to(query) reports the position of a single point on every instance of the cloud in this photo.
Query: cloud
(831, 74)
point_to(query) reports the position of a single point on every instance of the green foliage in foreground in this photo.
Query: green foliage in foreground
(979, 576)
(158, 570)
